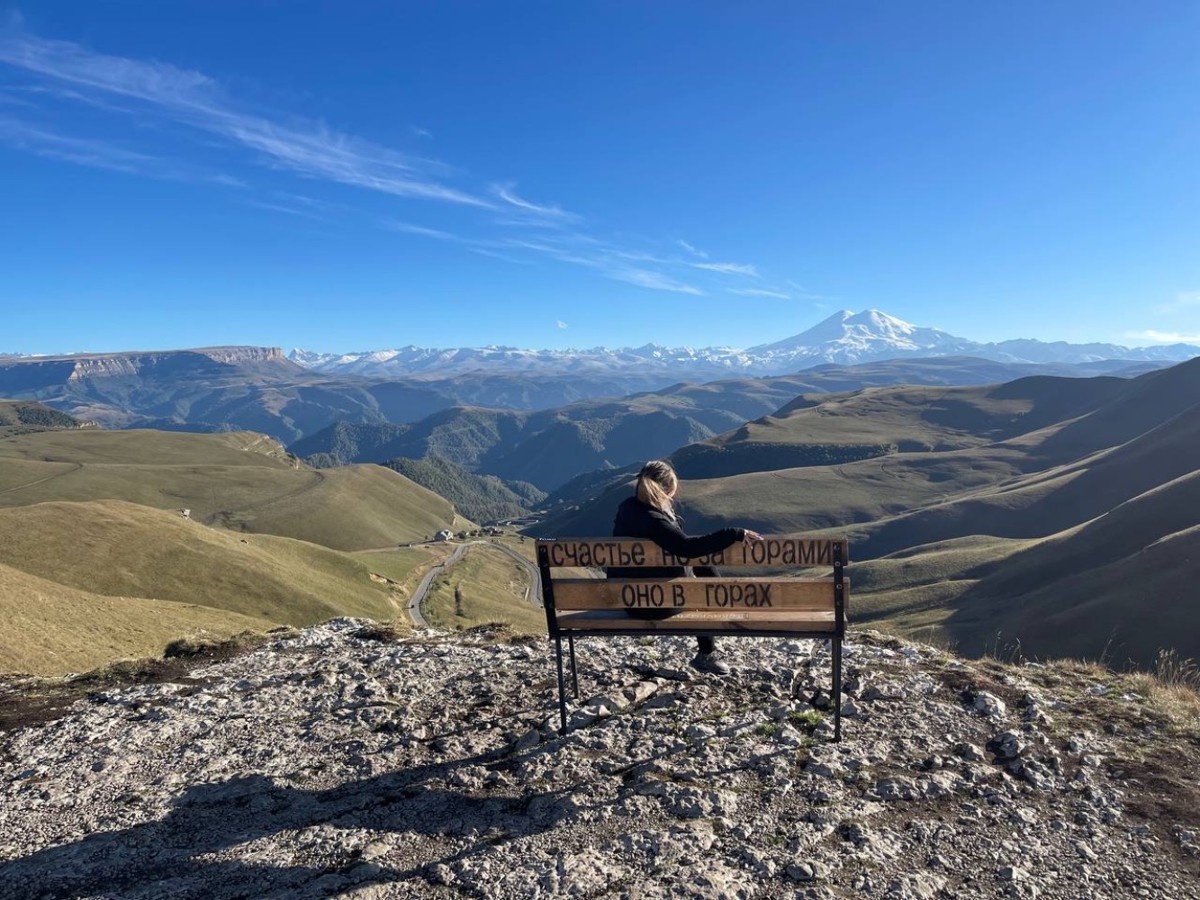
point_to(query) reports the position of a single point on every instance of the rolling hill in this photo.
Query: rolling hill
(999, 510)
(480, 498)
(551, 447)
(53, 629)
(116, 548)
(139, 537)
(17, 416)
(236, 480)
(259, 389)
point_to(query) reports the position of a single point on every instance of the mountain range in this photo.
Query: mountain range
(260, 389)
(844, 338)
(1051, 514)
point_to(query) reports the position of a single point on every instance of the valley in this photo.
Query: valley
(977, 511)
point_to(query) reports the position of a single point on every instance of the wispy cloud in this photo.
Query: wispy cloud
(191, 104)
(760, 292)
(409, 228)
(563, 325)
(508, 193)
(287, 210)
(727, 268)
(194, 99)
(492, 254)
(100, 154)
(653, 280)
(1165, 337)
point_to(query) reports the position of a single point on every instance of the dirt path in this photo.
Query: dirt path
(21, 487)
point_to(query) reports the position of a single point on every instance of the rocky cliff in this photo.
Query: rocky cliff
(344, 761)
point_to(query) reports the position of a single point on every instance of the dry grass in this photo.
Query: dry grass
(487, 586)
(50, 629)
(124, 550)
(240, 481)
(401, 564)
(1173, 688)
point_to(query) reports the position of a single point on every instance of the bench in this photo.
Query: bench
(805, 607)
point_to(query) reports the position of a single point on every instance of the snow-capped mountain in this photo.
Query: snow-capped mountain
(845, 338)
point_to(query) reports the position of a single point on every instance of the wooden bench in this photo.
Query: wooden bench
(806, 607)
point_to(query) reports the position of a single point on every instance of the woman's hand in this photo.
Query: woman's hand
(751, 537)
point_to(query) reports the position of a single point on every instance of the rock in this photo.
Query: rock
(916, 886)
(322, 766)
(802, 871)
(528, 740)
(896, 789)
(1007, 745)
(990, 705)
(692, 803)
(969, 752)
(638, 693)
(1013, 873)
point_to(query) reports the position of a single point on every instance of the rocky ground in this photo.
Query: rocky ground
(345, 761)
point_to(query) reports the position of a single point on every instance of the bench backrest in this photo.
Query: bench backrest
(707, 605)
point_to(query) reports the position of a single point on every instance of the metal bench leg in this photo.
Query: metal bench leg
(837, 689)
(574, 672)
(562, 687)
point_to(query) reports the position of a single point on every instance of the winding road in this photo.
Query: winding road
(533, 593)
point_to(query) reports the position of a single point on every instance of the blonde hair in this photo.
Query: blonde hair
(656, 485)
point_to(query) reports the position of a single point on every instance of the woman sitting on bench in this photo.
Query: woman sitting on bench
(650, 515)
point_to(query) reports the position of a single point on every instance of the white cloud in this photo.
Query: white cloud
(421, 230)
(727, 268)
(562, 324)
(759, 292)
(653, 280)
(508, 193)
(100, 154)
(151, 92)
(1165, 337)
(194, 99)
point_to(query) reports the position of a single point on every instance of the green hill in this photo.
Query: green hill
(237, 480)
(120, 549)
(1061, 501)
(481, 498)
(24, 415)
(52, 629)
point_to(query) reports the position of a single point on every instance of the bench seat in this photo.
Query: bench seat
(616, 621)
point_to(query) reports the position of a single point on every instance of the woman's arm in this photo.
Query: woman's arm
(669, 536)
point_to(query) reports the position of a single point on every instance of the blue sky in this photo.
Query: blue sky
(367, 175)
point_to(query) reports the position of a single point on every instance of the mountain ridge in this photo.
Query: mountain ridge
(844, 338)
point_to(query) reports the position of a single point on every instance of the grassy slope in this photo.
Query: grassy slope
(238, 480)
(28, 415)
(486, 586)
(483, 498)
(1083, 522)
(121, 549)
(51, 629)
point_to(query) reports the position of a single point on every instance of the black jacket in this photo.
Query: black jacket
(637, 520)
